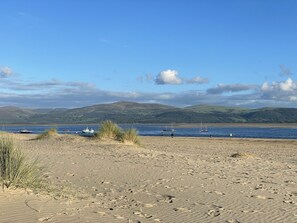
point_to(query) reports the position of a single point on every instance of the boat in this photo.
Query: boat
(87, 132)
(25, 131)
(203, 129)
(168, 131)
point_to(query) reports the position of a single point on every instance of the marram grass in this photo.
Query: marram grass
(15, 169)
(110, 130)
(47, 134)
(130, 136)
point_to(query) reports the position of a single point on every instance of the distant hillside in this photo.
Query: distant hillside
(11, 114)
(129, 112)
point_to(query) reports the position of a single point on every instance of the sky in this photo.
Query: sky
(75, 53)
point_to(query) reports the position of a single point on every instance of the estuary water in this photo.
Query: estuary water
(158, 130)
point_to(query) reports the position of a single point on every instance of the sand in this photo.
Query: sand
(164, 180)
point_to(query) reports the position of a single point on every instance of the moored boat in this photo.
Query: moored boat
(25, 131)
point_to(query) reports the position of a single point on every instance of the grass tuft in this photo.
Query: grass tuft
(15, 169)
(109, 130)
(130, 136)
(48, 134)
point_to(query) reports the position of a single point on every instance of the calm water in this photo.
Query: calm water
(156, 130)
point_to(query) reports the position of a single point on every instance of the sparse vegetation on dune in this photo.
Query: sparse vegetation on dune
(15, 169)
(110, 130)
(48, 134)
(130, 136)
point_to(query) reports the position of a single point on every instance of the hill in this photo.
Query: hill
(130, 112)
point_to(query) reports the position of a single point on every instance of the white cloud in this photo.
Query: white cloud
(6, 72)
(286, 86)
(168, 77)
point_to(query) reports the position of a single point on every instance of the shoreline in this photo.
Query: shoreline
(176, 125)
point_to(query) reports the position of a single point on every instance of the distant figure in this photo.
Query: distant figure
(231, 135)
(172, 135)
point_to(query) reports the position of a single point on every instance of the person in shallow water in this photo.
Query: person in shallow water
(172, 135)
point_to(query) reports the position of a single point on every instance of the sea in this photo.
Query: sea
(161, 130)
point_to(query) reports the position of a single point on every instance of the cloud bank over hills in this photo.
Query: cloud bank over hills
(57, 93)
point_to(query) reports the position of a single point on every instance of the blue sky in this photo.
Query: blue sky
(74, 53)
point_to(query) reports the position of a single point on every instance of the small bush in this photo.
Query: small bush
(15, 169)
(130, 136)
(109, 130)
(48, 134)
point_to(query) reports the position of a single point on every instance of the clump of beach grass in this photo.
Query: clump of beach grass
(15, 169)
(52, 132)
(109, 130)
(130, 136)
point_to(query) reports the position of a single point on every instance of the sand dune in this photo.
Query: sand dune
(165, 180)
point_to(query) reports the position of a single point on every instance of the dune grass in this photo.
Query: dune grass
(110, 130)
(15, 169)
(130, 136)
(47, 134)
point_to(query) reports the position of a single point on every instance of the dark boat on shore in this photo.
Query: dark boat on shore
(25, 131)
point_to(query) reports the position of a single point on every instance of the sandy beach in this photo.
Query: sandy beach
(164, 180)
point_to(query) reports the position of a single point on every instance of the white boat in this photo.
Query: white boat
(88, 131)
(203, 129)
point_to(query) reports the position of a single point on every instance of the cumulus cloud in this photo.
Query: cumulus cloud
(168, 77)
(285, 86)
(57, 93)
(227, 88)
(172, 77)
(6, 72)
(284, 91)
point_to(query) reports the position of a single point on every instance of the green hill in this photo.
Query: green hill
(130, 112)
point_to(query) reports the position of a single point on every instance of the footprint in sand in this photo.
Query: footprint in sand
(182, 209)
(215, 192)
(213, 213)
(44, 219)
(261, 197)
(149, 205)
(233, 221)
(119, 217)
(101, 213)
(141, 214)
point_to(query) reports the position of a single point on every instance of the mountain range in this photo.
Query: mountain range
(130, 112)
